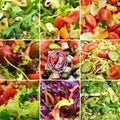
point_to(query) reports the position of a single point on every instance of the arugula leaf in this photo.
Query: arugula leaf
(4, 115)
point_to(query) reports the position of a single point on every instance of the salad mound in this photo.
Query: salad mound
(19, 19)
(100, 100)
(60, 60)
(100, 19)
(59, 19)
(100, 60)
(19, 100)
(19, 60)
(60, 100)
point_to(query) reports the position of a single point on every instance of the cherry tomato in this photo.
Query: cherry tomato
(103, 54)
(90, 19)
(9, 93)
(84, 2)
(75, 60)
(59, 22)
(73, 44)
(113, 28)
(112, 35)
(112, 2)
(90, 46)
(34, 76)
(104, 14)
(72, 17)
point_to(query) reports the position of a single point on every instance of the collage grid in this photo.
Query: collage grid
(59, 60)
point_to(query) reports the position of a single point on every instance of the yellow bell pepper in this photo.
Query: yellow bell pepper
(64, 33)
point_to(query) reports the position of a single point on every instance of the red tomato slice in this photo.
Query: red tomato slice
(72, 17)
(34, 76)
(117, 31)
(104, 14)
(84, 2)
(45, 46)
(44, 58)
(112, 35)
(90, 19)
(59, 22)
(89, 28)
(113, 28)
(73, 44)
(9, 93)
(90, 46)
(103, 54)
(112, 2)
(75, 60)
(1, 90)
(2, 100)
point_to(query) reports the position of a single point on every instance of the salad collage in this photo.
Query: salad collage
(59, 59)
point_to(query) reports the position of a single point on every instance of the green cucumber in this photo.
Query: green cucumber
(65, 75)
(87, 66)
(54, 46)
(113, 55)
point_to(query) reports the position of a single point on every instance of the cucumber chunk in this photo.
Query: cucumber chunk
(87, 66)
(65, 75)
(113, 55)
(54, 46)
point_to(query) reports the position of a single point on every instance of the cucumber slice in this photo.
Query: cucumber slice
(54, 46)
(65, 75)
(87, 66)
(113, 55)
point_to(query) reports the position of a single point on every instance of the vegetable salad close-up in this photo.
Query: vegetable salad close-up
(59, 59)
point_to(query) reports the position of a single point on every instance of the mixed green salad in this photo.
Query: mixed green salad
(100, 100)
(100, 60)
(19, 101)
(19, 19)
(59, 19)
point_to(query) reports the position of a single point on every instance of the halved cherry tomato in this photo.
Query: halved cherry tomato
(118, 8)
(90, 46)
(115, 72)
(9, 92)
(34, 76)
(112, 35)
(90, 19)
(113, 27)
(104, 14)
(44, 58)
(43, 63)
(72, 17)
(55, 60)
(112, 2)
(59, 22)
(84, 2)
(103, 54)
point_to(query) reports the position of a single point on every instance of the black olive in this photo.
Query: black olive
(56, 41)
(46, 53)
(75, 75)
(44, 76)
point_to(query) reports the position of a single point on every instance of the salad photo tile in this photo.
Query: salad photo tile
(19, 60)
(60, 59)
(19, 19)
(100, 60)
(100, 100)
(59, 19)
(100, 19)
(19, 100)
(60, 100)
